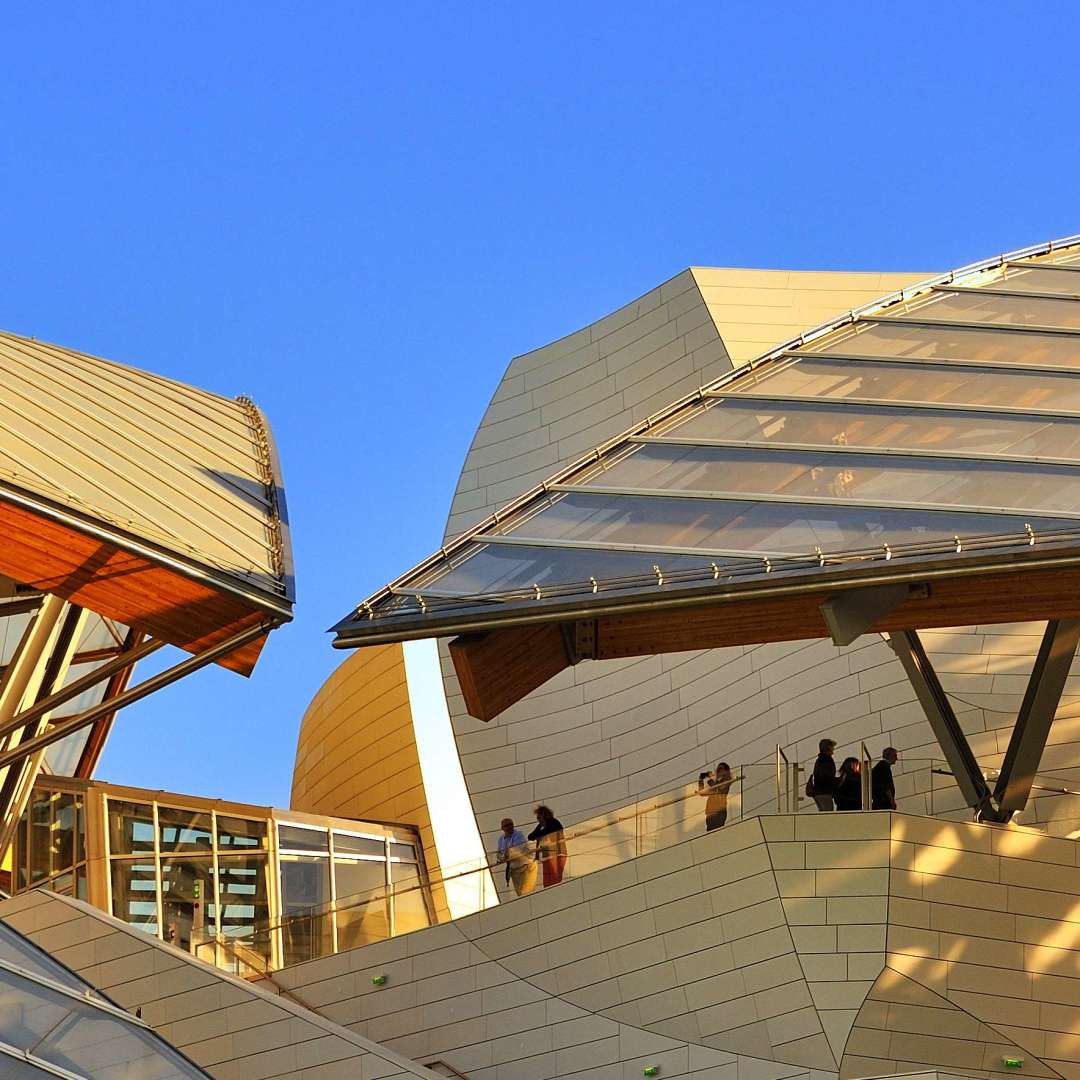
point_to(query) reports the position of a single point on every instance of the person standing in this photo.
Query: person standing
(882, 787)
(550, 845)
(822, 786)
(849, 785)
(514, 852)
(714, 787)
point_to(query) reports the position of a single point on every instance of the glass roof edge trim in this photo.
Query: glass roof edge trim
(851, 448)
(1046, 247)
(810, 500)
(644, 549)
(888, 403)
(352, 635)
(923, 361)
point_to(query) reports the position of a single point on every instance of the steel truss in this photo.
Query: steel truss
(1033, 722)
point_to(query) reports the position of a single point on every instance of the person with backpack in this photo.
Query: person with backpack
(821, 787)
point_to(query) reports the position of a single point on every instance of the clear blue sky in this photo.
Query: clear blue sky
(357, 214)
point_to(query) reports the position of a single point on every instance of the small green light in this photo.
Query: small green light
(1012, 1063)
(378, 980)
(651, 1070)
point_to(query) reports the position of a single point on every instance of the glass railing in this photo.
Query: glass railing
(924, 786)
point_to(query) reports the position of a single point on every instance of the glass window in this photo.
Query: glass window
(405, 852)
(245, 903)
(363, 913)
(21, 850)
(131, 827)
(1024, 391)
(307, 929)
(348, 844)
(896, 427)
(40, 837)
(62, 758)
(1039, 279)
(958, 343)
(65, 824)
(134, 893)
(240, 833)
(62, 884)
(187, 900)
(409, 900)
(990, 308)
(819, 474)
(184, 830)
(297, 838)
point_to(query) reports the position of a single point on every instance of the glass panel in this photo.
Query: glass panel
(12, 628)
(21, 850)
(40, 840)
(363, 909)
(131, 827)
(187, 901)
(64, 826)
(245, 903)
(82, 887)
(764, 527)
(881, 381)
(12, 1068)
(410, 904)
(184, 830)
(15, 949)
(305, 884)
(241, 832)
(819, 474)
(1042, 279)
(134, 893)
(346, 844)
(988, 308)
(959, 343)
(63, 884)
(505, 569)
(405, 852)
(295, 838)
(62, 758)
(91, 696)
(873, 427)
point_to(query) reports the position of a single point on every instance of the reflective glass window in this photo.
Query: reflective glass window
(131, 827)
(65, 823)
(134, 893)
(184, 830)
(243, 886)
(959, 343)
(40, 837)
(307, 928)
(347, 843)
(297, 838)
(874, 477)
(761, 527)
(21, 851)
(187, 900)
(816, 377)
(62, 758)
(410, 903)
(990, 308)
(405, 852)
(240, 833)
(833, 424)
(356, 879)
(1041, 279)
(363, 911)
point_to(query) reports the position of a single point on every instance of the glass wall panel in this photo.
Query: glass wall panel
(405, 852)
(959, 343)
(819, 474)
(505, 569)
(184, 830)
(297, 838)
(410, 902)
(21, 851)
(362, 905)
(187, 900)
(134, 893)
(244, 891)
(65, 823)
(131, 827)
(62, 758)
(347, 843)
(305, 885)
(874, 427)
(40, 838)
(1022, 391)
(1040, 279)
(16, 950)
(240, 833)
(993, 309)
(761, 527)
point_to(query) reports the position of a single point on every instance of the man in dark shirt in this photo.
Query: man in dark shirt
(882, 788)
(823, 780)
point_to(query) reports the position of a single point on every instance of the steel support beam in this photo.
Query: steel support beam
(935, 702)
(850, 614)
(1041, 699)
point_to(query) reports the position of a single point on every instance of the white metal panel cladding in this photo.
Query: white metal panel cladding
(979, 458)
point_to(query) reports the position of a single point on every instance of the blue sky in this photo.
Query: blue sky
(358, 213)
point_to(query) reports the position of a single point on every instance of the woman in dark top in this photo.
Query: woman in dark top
(550, 845)
(849, 785)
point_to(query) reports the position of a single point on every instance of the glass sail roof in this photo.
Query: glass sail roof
(54, 1024)
(941, 422)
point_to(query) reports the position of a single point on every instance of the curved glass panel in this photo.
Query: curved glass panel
(1022, 391)
(16, 950)
(1038, 279)
(959, 343)
(764, 527)
(978, 307)
(899, 428)
(979, 485)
